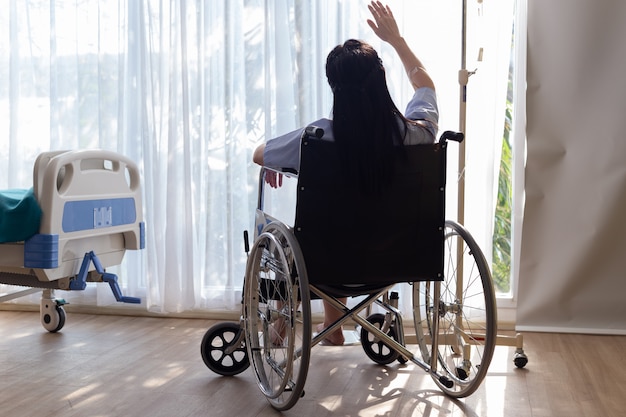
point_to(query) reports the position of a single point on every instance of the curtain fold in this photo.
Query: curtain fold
(188, 89)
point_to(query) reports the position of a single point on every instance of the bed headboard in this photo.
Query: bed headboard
(86, 190)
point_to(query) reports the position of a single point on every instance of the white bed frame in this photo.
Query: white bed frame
(92, 213)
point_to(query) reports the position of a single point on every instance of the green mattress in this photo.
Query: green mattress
(20, 215)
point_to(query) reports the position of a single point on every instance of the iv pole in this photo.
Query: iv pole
(463, 78)
(520, 359)
(464, 75)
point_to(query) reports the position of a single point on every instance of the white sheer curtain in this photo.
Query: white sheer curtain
(187, 89)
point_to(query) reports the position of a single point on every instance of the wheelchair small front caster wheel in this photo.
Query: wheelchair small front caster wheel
(374, 348)
(223, 349)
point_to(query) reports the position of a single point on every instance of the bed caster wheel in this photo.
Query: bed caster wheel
(520, 359)
(375, 349)
(223, 349)
(53, 317)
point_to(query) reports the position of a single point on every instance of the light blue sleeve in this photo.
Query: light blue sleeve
(283, 152)
(423, 106)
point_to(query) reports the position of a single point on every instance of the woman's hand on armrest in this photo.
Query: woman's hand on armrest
(273, 178)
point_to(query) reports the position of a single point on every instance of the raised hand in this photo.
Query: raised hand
(385, 26)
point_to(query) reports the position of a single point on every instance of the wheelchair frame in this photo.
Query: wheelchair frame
(455, 319)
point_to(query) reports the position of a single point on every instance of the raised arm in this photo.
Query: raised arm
(386, 28)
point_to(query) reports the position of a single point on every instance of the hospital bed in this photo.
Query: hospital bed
(83, 211)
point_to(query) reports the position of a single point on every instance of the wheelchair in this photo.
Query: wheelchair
(343, 244)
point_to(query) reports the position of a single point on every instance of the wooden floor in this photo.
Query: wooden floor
(100, 366)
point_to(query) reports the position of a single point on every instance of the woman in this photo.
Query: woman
(366, 125)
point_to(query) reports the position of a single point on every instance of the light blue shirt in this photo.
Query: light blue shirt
(284, 151)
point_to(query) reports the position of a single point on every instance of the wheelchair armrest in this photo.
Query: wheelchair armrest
(288, 172)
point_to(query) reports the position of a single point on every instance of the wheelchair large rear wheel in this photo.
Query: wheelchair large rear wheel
(466, 309)
(277, 315)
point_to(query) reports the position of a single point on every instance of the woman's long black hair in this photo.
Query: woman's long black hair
(367, 125)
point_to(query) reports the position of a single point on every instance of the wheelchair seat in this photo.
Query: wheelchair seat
(357, 243)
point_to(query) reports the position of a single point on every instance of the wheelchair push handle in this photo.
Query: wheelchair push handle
(313, 131)
(318, 132)
(451, 135)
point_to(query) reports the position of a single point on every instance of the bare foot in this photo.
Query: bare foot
(278, 332)
(335, 338)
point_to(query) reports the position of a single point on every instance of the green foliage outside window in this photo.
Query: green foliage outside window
(501, 264)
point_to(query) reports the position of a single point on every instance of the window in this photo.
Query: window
(189, 88)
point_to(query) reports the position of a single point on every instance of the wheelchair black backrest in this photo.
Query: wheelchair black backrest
(349, 239)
